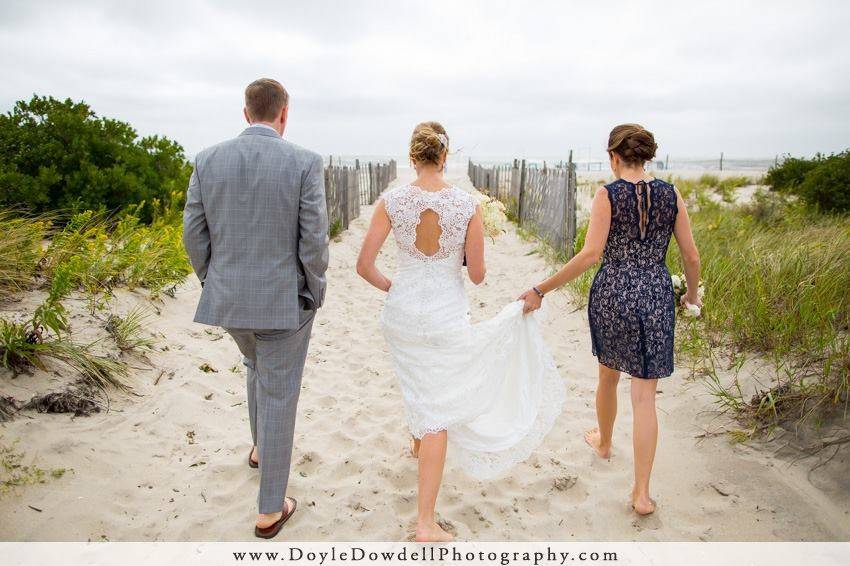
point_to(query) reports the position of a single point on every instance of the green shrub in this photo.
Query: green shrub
(822, 183)
(790, 173)
(60, 155)
(827, 186)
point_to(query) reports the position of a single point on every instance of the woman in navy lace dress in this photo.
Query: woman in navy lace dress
(631, 309)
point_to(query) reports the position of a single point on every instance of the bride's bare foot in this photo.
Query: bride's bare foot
(414, 446)
(594, 440)
(432, 533)
(643, 504)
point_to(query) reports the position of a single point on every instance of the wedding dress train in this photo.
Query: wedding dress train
(492, 385)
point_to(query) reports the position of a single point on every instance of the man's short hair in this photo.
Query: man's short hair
(264, 99)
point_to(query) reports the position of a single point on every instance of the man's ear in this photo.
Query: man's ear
(247, 117)
(284, 116)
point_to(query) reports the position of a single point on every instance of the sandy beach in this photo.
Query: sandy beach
(169, 461)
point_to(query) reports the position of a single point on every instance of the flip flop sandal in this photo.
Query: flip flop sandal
(272, 530)
(251, 463)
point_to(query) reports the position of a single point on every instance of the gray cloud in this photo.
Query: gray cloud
(751, 79)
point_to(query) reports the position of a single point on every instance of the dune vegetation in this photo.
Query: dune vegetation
(90, 255)
(102, 214)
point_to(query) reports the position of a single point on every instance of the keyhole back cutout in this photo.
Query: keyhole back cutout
(428, 233)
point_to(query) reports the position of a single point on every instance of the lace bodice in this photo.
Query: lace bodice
(627, 241)
(454, 207)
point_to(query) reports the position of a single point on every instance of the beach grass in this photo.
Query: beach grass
(96, 254)
(776, 277)
(23, 346)
(20, 250)
(128, 331)
(93, 254)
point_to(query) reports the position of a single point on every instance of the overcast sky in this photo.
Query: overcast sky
(532, 79)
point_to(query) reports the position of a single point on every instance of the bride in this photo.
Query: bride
(492, 387)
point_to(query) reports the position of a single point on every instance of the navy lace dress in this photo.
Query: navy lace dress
(632, 309)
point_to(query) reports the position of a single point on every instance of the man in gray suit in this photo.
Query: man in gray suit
(256, 230)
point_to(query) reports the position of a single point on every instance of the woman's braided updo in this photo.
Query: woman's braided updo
(632, 143)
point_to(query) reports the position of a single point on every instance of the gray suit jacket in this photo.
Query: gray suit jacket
(255, 227)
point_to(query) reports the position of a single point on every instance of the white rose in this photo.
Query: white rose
(692, 310)
(677, 282)
(482, 198)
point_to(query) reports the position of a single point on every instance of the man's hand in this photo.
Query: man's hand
(532, 301)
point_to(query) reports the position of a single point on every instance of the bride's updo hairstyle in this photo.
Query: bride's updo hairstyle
(633, 143)
(428, 143)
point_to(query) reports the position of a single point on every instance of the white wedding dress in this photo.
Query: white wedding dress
(493, 385)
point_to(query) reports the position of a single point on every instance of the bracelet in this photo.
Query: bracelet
(538, 291)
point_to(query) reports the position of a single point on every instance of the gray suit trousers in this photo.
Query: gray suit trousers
(275, 361)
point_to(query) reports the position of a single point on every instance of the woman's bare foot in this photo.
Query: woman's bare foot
(268, 519)
(594, 440)
(414, 446)
(432, 533)
(643, 504)
(255, 457)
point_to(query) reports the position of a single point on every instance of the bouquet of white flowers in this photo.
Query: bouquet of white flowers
(493, 212)
(680, 289)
